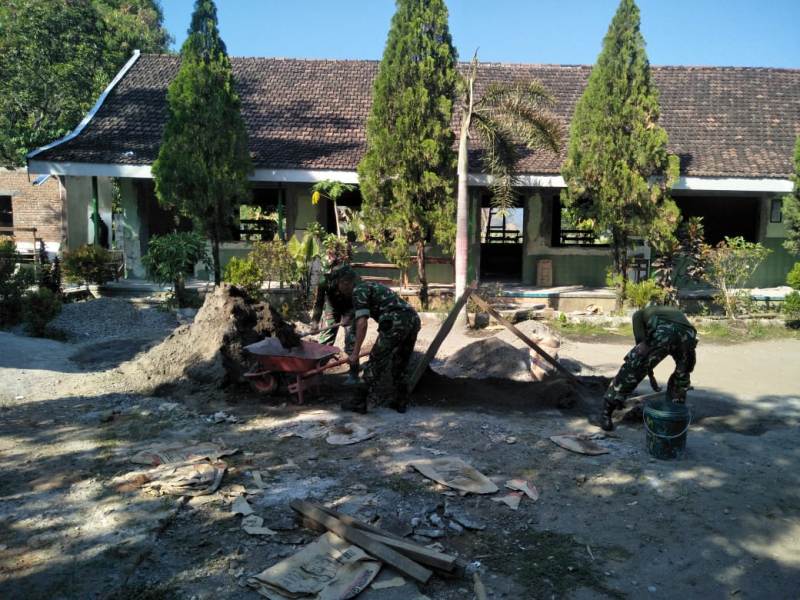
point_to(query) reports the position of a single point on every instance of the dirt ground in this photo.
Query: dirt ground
(724, 521)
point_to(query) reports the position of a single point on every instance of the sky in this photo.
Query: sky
(759, 33)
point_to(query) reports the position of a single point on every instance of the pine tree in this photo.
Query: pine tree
(203, 162)
(618, 170)
(791, 208)
(408, 171)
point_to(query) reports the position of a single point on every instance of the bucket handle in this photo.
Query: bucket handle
(667, 437)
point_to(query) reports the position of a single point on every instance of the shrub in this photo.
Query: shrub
(791, 307)
(729, 265)
(244, 273)
(643, 293)
(793, 278)
(171, 257)
(39, 308)
(273, 261)
(13, 283)
(88, 264)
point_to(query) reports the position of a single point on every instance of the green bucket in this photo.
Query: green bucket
(666, 424)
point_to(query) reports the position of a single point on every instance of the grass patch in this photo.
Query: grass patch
(744, 331)
(550, 565)
(582, 330)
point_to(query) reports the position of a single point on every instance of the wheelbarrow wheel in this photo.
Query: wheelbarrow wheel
(265, 384)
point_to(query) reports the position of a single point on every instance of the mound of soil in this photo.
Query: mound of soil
(208, 353)
(488, 358)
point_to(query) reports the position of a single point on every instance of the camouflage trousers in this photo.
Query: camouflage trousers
(328, 337)
(664, 339)
(385, 374)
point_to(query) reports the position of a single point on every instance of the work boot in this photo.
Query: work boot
(606, 422)
(352, 376)
(358, 404)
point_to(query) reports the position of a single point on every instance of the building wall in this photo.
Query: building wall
(39, 206)
(773, 271)
(570, 265)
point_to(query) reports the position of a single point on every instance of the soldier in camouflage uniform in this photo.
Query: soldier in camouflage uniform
(659, 331)
(398, 326)
(332, 307)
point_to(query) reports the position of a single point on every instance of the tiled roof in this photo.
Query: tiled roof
(311, 114)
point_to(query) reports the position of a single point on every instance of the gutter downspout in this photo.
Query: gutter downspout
(92, 112)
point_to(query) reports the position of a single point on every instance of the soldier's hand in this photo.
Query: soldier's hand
(653, 382)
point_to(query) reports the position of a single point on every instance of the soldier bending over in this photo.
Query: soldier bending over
(659, 331)
(398, 325)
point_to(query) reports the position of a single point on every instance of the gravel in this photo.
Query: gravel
(104, 318)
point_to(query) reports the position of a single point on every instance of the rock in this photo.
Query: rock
(453, 526)
(481, 320)
(430, 533)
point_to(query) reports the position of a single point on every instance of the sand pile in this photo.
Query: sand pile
(208, 353)
(490, 357)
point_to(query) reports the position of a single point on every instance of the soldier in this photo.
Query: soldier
(398, 326)
(332, 307)
(659, 331)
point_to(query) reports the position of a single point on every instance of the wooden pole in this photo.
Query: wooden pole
(422, 365)
(507, 324)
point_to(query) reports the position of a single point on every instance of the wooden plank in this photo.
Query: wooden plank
(415, 552)
(508, 325)
(422, 365)
(372, 547)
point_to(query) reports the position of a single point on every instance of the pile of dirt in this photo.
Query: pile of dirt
(488, 358)
(208, 353)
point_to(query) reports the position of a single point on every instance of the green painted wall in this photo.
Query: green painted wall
(571, 269)
(772, 272)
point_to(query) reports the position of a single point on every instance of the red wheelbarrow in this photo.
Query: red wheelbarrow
(305, 363)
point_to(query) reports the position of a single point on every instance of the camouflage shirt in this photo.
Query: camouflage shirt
(664, 313)
(371, 299)
(328, 287)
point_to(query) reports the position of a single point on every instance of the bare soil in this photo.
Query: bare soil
(723, 521)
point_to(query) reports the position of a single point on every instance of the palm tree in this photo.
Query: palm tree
(504, 118)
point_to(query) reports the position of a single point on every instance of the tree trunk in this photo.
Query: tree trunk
(462, 205)
(215, 257)
(423, 277)
(620, 242)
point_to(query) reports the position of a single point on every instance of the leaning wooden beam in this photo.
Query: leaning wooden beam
(362, 540)
(415, 552)
(503, 321)
(422, 365)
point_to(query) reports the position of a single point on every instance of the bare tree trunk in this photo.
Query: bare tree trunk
(215, 256)
(462, 205)
(620, 242)
(423, 277)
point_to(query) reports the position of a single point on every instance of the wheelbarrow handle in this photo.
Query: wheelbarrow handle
(330, 365)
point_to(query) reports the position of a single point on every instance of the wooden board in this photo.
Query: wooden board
(415, 552)
(507, 324)
(371, 546)
(444, 330)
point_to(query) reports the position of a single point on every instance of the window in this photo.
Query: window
(776, 210)
(6, 212)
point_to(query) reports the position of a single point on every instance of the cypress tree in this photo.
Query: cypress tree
(408, 171)
(203, 161)
(618, 170)
(791, 208)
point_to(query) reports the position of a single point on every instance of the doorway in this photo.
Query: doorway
(502, 242)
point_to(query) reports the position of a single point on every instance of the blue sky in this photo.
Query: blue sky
(678, 32)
